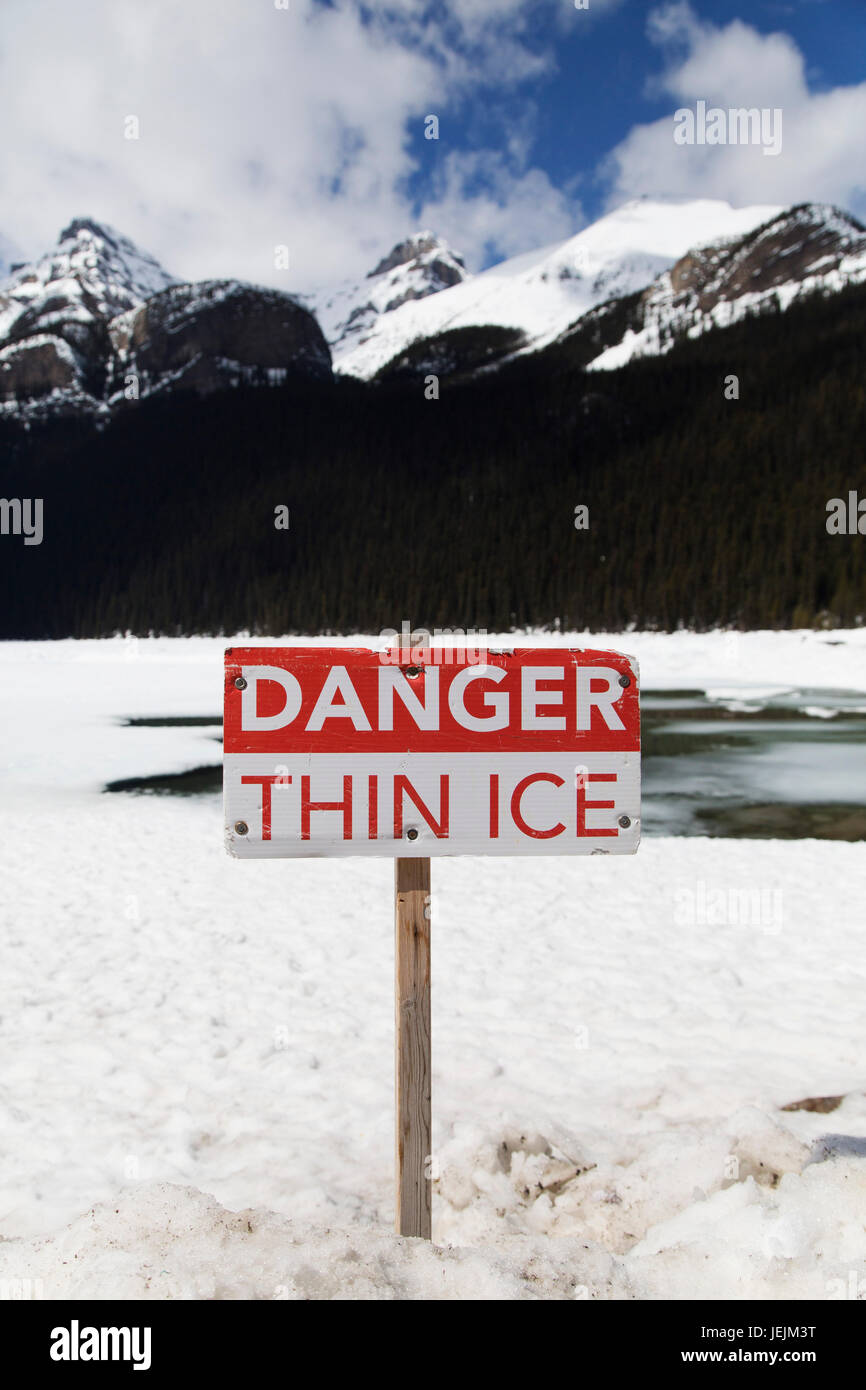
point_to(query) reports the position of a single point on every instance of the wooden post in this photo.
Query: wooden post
(412, 1057)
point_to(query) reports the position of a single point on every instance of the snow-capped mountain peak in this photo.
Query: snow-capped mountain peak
(807, 249)
(91, 262)
(96, 316)
(539, 293)
(91, 274)
(414, 269)
(95, 309)
(419, 250)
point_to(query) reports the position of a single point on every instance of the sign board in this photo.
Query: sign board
(349, 751)
(410, 754)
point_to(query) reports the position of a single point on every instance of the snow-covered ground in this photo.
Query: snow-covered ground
(196, 1090)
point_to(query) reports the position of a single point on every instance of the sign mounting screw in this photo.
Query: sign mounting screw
(625, 681)
(241, 827)
(240, 683)
(625, 822)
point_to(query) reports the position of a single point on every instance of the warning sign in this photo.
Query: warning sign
(341, 751)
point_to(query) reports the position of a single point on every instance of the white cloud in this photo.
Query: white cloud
(823, 155)
(258, 126)
(262, 127)
(483, 200)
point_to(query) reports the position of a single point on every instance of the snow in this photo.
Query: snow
(91, 264)
(422, 288)
(37, 340)
(196, 1099)
(184, 301)
(92, 275)
(543, 292)
(667, 314)
(348, 312)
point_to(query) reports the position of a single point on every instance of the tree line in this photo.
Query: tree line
(460, 511)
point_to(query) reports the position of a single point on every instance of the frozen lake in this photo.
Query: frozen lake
(197, 1094)
(787, 764)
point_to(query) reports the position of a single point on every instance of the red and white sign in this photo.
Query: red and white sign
(343, 750)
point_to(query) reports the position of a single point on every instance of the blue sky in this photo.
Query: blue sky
(600, 89)
(599, 80)
(300, 123)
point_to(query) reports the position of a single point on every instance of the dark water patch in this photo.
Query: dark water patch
(654, 715)
(674, 743)
(778, 821)
(688, 697)
(197, 781)
(754, 765)
(175, 721)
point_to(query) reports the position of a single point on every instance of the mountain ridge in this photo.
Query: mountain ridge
(414, 269)
(702, 512)
(541, 292)
(808, 248)
(77, 336)
(73, 338)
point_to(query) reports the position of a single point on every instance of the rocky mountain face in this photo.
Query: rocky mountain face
(353, 313)
(54, 314)
(805, 250)
(539, 294)
(809, 249)
(96, 321)
(214, 333)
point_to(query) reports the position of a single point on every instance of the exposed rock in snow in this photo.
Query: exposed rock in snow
(38, 365)
(54, 315)
(539, 293)
(91, 275)
(78, 321)
(812, 248)
(215, 333)
(413, 270)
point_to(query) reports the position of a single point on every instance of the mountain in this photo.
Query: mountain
(809, 249)
(701, 513)
(539, 294)
(460, 513)
(92, 272)
(97, 322)
(54, 313)
(352, 312)
(805, 250)
(74, 331)
(214, 333)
